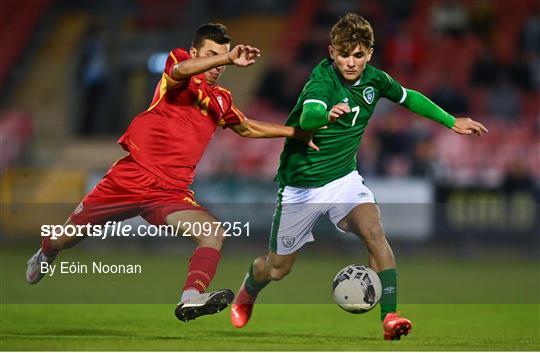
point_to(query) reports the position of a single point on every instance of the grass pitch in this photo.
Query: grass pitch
(273, 327)
(35, 318)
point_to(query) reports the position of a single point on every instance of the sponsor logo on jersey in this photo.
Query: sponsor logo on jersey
(363, 194)
(79, 209)
(369, 94)
(288, 241)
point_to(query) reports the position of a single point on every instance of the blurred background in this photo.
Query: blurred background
(74, 73)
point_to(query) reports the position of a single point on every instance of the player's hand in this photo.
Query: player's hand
(243, 55)
(306, 136)
(467, 126)
(338, 111)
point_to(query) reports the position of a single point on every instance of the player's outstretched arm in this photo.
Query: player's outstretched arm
(314, 115)
(258, 129)
(420, 104)
(241, 55)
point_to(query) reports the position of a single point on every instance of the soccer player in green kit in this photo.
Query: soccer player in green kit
(337, 103)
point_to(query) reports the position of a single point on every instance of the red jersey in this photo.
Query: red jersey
(171, 136)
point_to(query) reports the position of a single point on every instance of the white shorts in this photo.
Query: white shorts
(298, 210)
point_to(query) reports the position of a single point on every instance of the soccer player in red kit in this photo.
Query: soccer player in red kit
(165, 143)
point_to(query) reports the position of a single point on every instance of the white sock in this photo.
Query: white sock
(188, 294)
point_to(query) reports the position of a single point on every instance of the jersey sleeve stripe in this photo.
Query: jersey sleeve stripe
(224, 90)
(171, 82)
(165, 84)
(174, 58)
(316, 101)
(162, 91)
(404, 96)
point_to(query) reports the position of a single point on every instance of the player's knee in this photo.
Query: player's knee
(277, 273)
(214, 241)
(259, 265)
(219, 238)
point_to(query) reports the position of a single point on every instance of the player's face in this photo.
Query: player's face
(211, 48)
(351, 64)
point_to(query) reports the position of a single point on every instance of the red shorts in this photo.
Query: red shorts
(128, 190)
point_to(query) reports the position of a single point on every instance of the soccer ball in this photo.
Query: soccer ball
(357, 289)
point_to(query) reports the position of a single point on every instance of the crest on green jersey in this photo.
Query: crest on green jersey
(369, 94)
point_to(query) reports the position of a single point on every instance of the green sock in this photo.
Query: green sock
(253, 287)
(389, 291)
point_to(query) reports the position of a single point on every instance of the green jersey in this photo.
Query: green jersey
(302, 166)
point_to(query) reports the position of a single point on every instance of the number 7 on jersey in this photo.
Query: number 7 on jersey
(356, 111)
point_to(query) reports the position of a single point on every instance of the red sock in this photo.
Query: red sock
(202, 268)
(47, 248)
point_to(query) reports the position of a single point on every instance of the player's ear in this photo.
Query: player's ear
(331, 51)
(193, 52)
(369, 53)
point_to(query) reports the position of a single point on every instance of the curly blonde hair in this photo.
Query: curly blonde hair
(350, 31)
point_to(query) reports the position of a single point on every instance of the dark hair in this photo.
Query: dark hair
(213, 31)
(350, 31)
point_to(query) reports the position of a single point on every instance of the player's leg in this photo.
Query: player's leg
(353, 209)
(50, 247)
(296, 213)
(64, 242)
(293, 221)
(195, 300)
(115, 197)
(364, 220)
(272, 267)
(47, 254)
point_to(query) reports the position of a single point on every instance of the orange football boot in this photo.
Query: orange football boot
(242, 307)
(396, 326)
